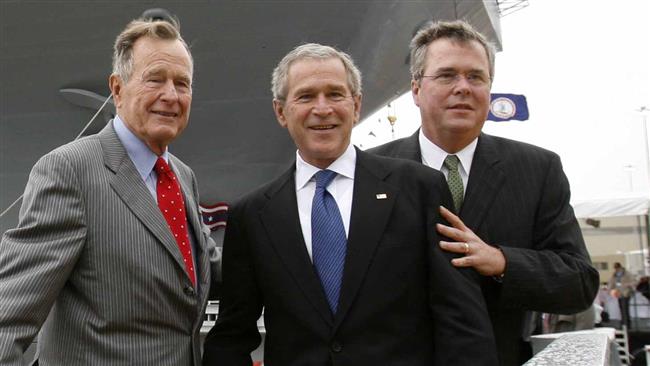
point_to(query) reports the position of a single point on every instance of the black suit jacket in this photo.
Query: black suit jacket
(401, 302)
(518, 198)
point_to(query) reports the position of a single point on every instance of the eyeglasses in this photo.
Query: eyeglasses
(477, 79)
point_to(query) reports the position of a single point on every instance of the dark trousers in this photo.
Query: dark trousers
(624, 305)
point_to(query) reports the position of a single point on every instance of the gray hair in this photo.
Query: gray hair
(279, 78)
(123, 48)
(458, 31)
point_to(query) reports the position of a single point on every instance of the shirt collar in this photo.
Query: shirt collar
(344, 166)
(433, 156)
(142, 157)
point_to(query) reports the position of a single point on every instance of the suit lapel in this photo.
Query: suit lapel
(368, 219)
(485, 180)
(282, 224)
(128, 185)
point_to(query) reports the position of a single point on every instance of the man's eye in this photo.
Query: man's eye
(336, 96)
(304, 97)
(476, 77)
(446, 77)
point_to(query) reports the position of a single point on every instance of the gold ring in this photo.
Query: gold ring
(466, 248)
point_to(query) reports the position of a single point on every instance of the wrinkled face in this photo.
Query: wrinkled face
(454, 94)
(155, 102)
(319, 110)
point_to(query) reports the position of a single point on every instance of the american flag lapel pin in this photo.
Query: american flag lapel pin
(381, 196)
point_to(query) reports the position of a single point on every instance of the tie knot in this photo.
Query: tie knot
(161, 166)
(324, 178)
(451, 162)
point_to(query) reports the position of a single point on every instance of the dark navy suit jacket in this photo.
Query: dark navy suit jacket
(401, 303)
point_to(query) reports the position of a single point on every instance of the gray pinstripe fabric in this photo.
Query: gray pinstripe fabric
(93, 251)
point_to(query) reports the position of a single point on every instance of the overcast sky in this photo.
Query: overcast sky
(584, 69)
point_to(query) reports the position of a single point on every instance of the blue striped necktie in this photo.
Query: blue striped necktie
(328, 238)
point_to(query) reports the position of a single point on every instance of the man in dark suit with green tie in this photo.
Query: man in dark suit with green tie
(511, 216)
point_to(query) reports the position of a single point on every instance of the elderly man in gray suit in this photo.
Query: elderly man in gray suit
(110, 260)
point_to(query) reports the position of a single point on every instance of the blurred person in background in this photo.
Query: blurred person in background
(621, 286)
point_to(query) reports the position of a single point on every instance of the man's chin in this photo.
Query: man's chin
(159, 119)
(166, 128)
(462, 125)
(163, 136)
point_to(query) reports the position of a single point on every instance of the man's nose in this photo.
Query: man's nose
(322, 106)
(169, 91)
(462, 85)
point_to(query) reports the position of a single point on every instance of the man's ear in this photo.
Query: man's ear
(357, 107)
(115, 84)
(415, 91)
(278, 108)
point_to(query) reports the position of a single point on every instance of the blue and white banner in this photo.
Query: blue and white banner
(506, 107)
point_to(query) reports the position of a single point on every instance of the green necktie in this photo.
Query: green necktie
(454, 181)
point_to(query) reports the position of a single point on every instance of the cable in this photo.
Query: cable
(95, 116)
(11, 206)
(76, 138)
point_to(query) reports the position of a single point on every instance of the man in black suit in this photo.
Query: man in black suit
(373, 289)
(513, 220)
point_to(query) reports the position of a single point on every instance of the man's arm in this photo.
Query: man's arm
(553, 273)
(235, 334)
(38, 256)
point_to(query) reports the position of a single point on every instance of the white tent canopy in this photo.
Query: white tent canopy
(632, 206)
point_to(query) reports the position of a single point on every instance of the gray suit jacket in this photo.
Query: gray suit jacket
(518, 198)
(94, 252)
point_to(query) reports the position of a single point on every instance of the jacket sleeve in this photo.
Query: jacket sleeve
(554, 274)
(37, 257)
(235, 334)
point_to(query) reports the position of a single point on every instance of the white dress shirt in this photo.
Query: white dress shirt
(340, 188)
(434, 157)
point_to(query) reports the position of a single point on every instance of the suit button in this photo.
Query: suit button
(189, 291)
(336, 347)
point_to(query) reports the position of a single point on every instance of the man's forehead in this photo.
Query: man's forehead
(149, 47)
(164, 68)
(161, 57)
(329, 72)
(466, 45)
(449, 44)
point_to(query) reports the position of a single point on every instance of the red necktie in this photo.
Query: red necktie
(170, 202)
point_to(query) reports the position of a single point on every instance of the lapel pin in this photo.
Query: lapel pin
(381, 196)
